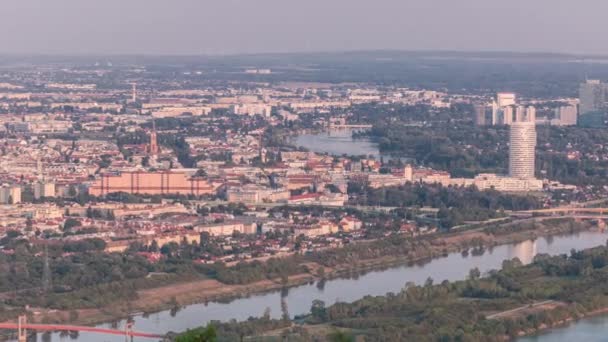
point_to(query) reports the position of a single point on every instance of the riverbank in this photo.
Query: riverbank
(171, 297)
(325, 329)
(516, 301)
(545, 328)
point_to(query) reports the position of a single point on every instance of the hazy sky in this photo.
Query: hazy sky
(253, 26)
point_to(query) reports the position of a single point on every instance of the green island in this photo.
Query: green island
(499, 306)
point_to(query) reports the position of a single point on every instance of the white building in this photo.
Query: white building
(256, 194)
(252, 109)
(486, 181)
(507, 115)
(530, 114)
(505, 111)
(565, 116)
(505, 99)
(10, 194)
(522, 150)
(167, 112)
(44, 189)
(258, 71)
(227, 228)
(523, 113)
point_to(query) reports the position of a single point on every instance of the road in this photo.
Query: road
(364, 208)
(525, 307)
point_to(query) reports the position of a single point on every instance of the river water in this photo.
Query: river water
(338, 142)
(588, 330)
(299, 299)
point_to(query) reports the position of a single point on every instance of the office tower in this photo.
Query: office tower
(520, 113)
(565, 116)
(592, 96)
(530, 114)
(153, 147)
(495, 113)
(507, 115)
(480, 115)
(10, 194)
(44, 189)
(408, 173)
(503, 110)
(592, 108)
(523, 113)
(134, 92)
(522, 150)
(505, 99)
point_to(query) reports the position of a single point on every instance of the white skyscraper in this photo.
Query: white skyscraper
(520, 113)
(522, 150)
(495, 113)
(507, 115)
(531, 114)
(504, 110)
(565, 116)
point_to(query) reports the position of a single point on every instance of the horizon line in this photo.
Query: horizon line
(511, 53)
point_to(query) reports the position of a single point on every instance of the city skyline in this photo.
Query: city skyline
(269, 170)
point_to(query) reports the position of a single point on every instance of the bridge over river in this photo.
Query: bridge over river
(22, 326)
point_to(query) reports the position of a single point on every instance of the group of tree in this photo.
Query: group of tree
(456, 204)
(577, 284)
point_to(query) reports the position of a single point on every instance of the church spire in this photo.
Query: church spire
(153, 147)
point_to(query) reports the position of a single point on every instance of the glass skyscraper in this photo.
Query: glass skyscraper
(592, 108)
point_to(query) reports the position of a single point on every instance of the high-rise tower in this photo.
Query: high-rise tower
(480, 115)
(134, 92)
(153, 148)
(506, 99)
(522, 149)
(593, 107)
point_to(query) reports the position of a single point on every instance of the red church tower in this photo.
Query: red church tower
(153, 148)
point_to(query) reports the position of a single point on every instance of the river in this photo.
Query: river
(586, 330)
(338, 142)
(452, 267)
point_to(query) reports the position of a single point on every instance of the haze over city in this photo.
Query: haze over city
(311, 171)
(240, 26)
